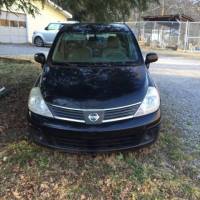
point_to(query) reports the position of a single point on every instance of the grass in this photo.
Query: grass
(27, 171)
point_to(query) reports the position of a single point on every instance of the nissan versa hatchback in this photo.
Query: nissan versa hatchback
(95, 93)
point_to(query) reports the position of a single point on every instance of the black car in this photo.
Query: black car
(95, 93)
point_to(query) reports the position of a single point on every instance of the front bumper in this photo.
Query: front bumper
(75, 137)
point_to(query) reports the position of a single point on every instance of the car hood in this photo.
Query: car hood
(94, 87)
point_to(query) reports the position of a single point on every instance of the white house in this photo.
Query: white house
(18, 27)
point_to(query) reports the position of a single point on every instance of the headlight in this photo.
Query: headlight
(150, 104)
(37, 104)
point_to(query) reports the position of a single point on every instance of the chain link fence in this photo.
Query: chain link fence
(168, 35)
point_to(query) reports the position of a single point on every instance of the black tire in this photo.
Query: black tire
(39, 42)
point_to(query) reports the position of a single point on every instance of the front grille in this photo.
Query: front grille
(80, 115)
(66, 113)
(118, 113)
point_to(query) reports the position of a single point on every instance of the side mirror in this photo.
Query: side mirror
(40, 58)
(46, 28)
(150, 58)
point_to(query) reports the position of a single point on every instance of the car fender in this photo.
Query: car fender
(38, 34)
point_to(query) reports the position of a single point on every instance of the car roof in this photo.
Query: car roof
(96, 27)
(69, 22)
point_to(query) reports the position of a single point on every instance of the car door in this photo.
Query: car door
(51, 31)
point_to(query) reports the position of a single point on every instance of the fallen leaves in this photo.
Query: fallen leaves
(16, 194)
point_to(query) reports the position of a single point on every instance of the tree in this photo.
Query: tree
(87, 10)
(103, 10)
(142, 6)
(26, 6)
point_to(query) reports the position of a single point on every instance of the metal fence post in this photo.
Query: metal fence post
(179, 34)
(143, 36)
(154, 31)
(186, 36)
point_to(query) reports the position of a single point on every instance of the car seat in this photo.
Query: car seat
(114, 50)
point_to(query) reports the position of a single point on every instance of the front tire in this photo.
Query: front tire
(38, 42)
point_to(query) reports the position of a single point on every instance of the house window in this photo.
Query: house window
(4, 22)
(13, 23)
(22, 24)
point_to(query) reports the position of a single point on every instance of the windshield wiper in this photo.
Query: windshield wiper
(85, 64)
(130, 63)
(68, 64)
(126, 63)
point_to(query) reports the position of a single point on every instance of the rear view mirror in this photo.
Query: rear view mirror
(150, 58)
(40, 58)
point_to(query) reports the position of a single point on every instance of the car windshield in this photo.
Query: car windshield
(94, 48)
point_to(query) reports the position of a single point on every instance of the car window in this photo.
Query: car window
(95, 48)
(54, 27)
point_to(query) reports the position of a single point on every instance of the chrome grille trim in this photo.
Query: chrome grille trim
(117, 109)
(70, 120)
(118, 119)
(104, 121)
(93, 110)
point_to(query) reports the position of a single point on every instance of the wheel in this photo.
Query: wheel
(39, 42)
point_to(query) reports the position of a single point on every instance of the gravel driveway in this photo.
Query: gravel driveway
(179, 81)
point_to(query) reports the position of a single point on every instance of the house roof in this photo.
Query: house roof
(174, 18)
(64, 12)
